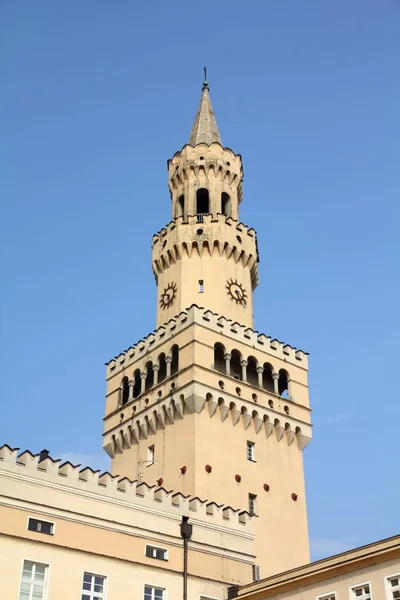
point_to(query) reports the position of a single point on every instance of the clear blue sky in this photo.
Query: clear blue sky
(96, 96)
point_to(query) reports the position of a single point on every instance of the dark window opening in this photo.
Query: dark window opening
(125, 390)
(226, 204)
(181, 207)
(252, 376)
(236, 369)
(175, 360)
(137, 384)
(268, 381)
(202, 202)
(150, 376)
(219, 360)
(40, 526)
(163, 368)
(283, 383)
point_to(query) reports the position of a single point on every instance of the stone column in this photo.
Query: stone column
(156, 368)
(227, 357)
(143, 377)
(275, 377)
(168, 360)
(131, 385)
(243, 364)
(289, 389)
(260, 371)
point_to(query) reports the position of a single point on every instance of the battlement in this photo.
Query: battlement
(206, 234)
(138, 494)
(221, 325)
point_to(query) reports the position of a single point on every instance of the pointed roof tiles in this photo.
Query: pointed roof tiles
(205, 128)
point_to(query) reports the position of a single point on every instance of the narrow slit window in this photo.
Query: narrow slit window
(252, 504)
(201, 286)
(251, 455)
(150, 455)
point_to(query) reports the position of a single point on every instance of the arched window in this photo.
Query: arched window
(283, 385)
(125, 390)
(175, 360)
(150, 375)
(163, 368)
(268, 381)
(226, 204)
(219, 361)
(202, 202)
(236, 369)
(252, 376)
(137, 385)
(180, 212)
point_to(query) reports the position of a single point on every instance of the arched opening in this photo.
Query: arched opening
(202, 201)
(252, 377)
(283, 384)
(175, 360)
(236, 369)
(226, 204)
(137, 385)
(219, 361)
(125, 390)
(180, 212)
(162, 373)
(150, 375)
(268, 381)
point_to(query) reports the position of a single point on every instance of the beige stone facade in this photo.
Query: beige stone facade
(102, 525)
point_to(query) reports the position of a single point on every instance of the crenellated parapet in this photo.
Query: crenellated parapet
(137, 494)
(209, 234)
(212, 321)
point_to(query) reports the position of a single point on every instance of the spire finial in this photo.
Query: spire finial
(205, 82)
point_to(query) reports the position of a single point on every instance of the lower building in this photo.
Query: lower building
(71, 533)
(371, 572)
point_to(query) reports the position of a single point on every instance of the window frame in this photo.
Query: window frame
(46, 576)
(388, 589)
(155, 587)
(352, 588)
(253, 497)
(105, 577)
(327, 596)
(252, 445)
(52, 523)
(151, 455)
(157, 548)
(201, 286)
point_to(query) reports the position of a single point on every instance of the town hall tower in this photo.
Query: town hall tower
(205, 405)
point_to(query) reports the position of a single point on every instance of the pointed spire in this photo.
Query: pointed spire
(205, 128)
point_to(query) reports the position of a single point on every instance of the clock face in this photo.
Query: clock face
(168, 295)
(236, 291)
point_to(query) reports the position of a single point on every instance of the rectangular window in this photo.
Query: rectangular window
(154, 552)
(33, 582)
(40, 526)
(252, 504)
(331, 596)
(251, 455)
(150, 455)
(393, 585)
(362, 592)
(153, 593)
(93, 587)
(201, 286)
(256, 573)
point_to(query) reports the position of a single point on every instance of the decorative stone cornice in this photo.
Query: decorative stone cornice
(194, 398)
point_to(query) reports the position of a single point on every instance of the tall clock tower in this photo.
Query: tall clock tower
(205, 405)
